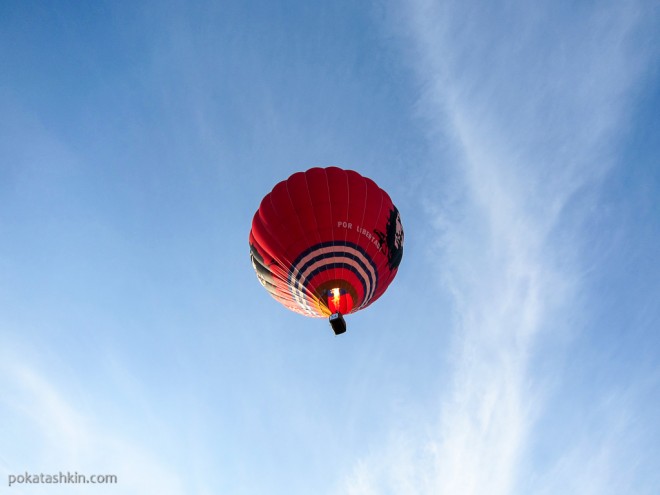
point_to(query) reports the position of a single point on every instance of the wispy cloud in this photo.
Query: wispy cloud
(530, 100)
(54, 431)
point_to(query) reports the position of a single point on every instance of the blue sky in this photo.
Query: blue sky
(517, 350)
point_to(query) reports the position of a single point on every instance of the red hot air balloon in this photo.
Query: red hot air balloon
(326, 242)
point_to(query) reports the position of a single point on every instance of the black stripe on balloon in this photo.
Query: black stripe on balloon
(298, 286)
(300, 296)
(295, 286)
(326, 244)
(340, 254)
(347, 266)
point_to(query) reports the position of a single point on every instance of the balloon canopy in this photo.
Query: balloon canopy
(326, 241)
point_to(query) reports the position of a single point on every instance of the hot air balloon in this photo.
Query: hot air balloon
(326, 243)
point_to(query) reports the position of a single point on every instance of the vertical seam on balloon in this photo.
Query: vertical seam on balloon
(364, 211)
(280, 261)
(277, 258)
(316, 220)
(307, 293)
(332, 220)
(380, 209)
(334, 268)
(385, 258)
(275, 237)
(348, 210)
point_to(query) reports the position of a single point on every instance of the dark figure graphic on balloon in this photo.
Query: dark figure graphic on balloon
(392, 240)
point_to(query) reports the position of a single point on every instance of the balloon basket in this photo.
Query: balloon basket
(337, 323)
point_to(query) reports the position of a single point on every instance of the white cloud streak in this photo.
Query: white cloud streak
(51, 433)
(532, 99)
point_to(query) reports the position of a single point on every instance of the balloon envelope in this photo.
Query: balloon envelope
(326, 241)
